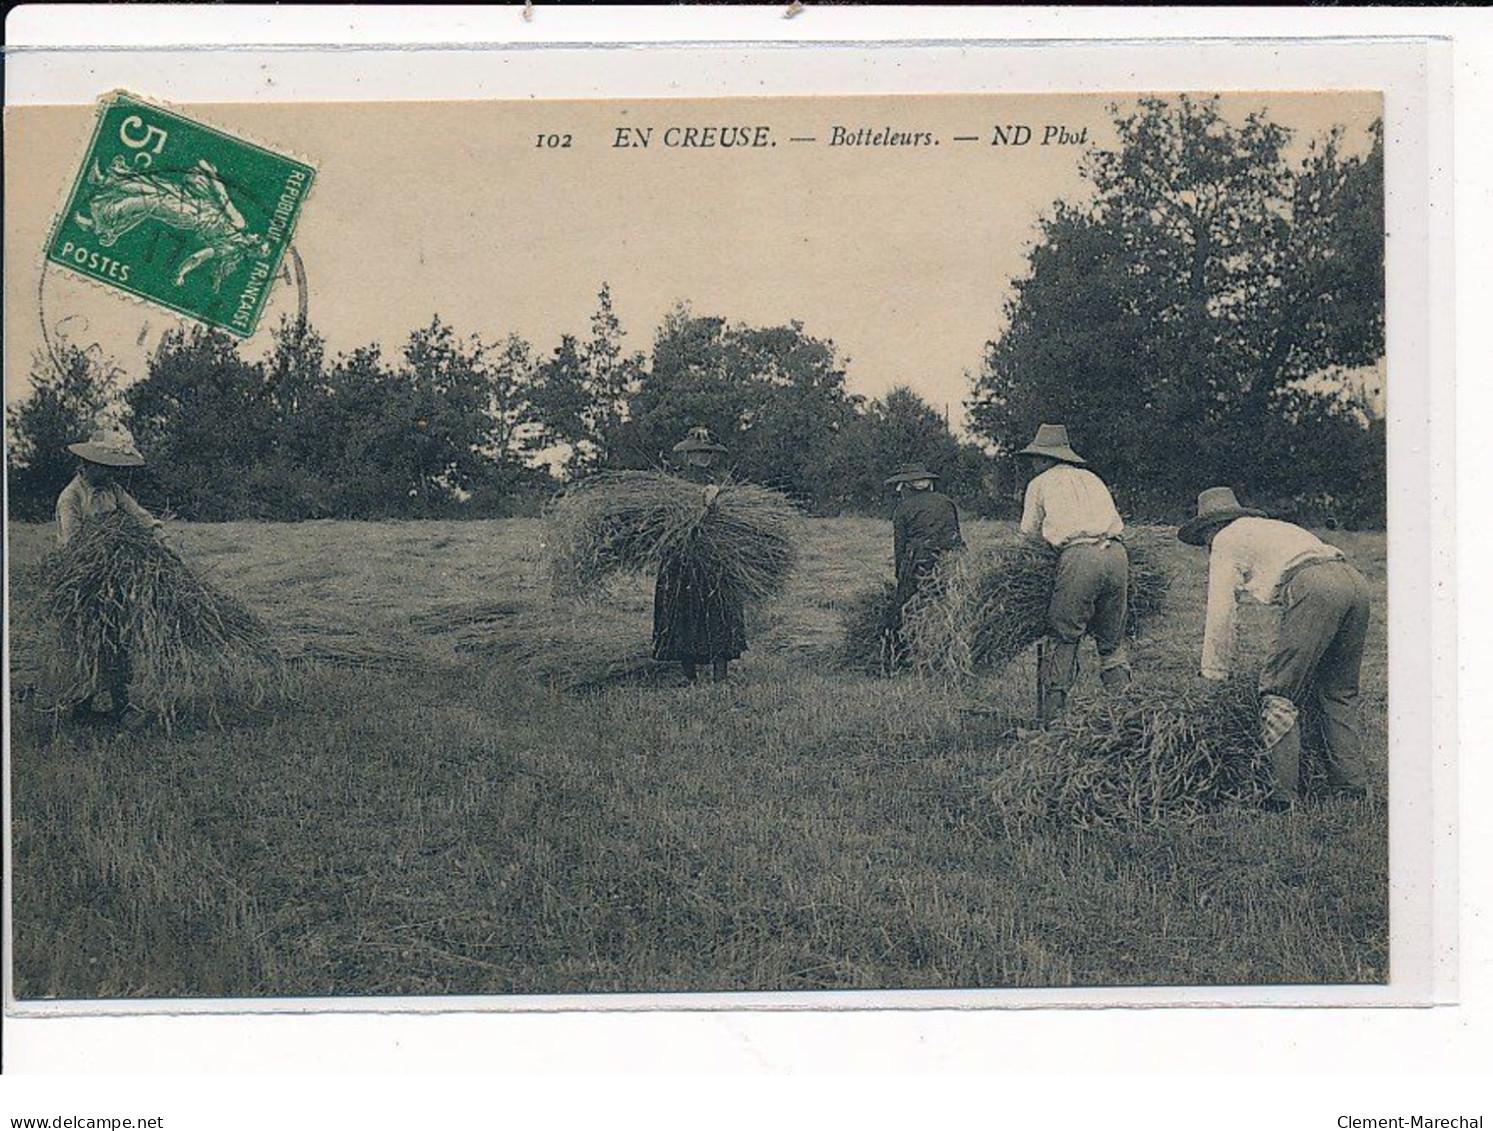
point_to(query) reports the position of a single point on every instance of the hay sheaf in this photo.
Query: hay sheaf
(982, 609)
(630, 521)
(870, 642)
(186, 639)
(1152, 754)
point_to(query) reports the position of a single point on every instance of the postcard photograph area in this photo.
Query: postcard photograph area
(736, 545)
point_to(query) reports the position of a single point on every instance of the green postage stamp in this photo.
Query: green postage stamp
(180, 214)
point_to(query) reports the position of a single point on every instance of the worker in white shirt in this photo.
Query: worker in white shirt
(1070, 509)
(94, 492)
(1318, 651)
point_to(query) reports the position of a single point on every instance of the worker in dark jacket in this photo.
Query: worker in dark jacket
(696, 618)
(925, 525)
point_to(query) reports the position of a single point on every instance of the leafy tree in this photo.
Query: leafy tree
(449, 418)
(511, 374)
(367, 425)
(581, 393)
(561, 400)
(208, 422)
(70, 391)
(1187, 321)
(774, 396)
(897, 429)
(611, 375)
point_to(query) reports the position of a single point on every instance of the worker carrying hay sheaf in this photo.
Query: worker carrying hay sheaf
(1069, 508)
(96, 491)
(1318, 650)
(697, 617)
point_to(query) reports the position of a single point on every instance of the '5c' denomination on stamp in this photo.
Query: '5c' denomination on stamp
(180, 214)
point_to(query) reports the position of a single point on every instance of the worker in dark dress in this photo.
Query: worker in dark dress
(697, 620)
(925, 526)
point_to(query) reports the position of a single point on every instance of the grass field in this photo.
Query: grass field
(461, 789)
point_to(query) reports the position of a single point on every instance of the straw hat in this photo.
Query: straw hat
(698, 440)
(1216, 506)
(1052, 441)
(911, 473)
(109, 447)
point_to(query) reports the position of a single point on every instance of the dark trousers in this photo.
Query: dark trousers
(1088, 596)
(1315, 664)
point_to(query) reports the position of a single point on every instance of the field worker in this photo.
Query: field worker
(1318, 650)
(696, 619)
(925, 526)
(95, 491)
(1069, 508)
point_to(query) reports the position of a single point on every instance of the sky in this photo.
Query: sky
(902, 255)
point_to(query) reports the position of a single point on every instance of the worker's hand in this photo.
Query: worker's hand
(710, 495)
(1214, 675)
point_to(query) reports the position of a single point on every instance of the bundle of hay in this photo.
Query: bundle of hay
(1152, 754)
(871, 642)
(629, 521)
(116, 581)
(982, 609)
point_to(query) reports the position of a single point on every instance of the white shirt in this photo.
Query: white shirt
(80, 500)
(1065, 503)
(1250, 555)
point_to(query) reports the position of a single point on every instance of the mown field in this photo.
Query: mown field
(462, 789)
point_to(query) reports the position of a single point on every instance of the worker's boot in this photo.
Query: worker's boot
(1054, 703)
(1116, 678)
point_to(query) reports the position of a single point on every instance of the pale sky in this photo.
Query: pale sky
(902, 256)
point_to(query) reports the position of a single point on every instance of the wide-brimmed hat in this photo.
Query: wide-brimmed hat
(910, 473)
(1216, 506)
(699, 440)
(111, 447)
(1052, 441)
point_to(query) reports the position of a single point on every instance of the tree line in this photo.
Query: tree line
(1191, 320)
(466, 426)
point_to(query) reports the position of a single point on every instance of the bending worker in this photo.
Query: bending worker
(925, 526)
(1070, 509)
(1318, 650)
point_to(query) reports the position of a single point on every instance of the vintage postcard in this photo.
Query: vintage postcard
(505, 550)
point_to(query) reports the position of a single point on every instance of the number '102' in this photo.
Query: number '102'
(552, 141)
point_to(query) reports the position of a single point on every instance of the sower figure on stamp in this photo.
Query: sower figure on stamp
(1069, 508)
(925, 526)
(96, 491)
(696, 618)
(1318, 651)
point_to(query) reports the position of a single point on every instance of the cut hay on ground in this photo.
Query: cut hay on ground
(982, 609)
(186, 639)
(1149, 755)
(565, 652)
(630, 521)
